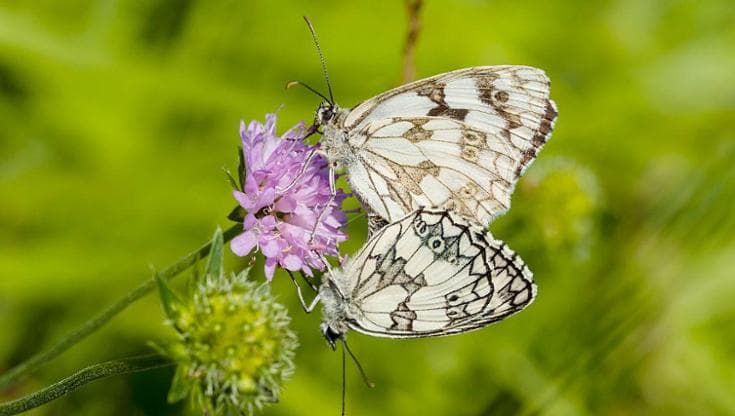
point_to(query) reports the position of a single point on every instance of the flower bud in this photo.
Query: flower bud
(234, 347)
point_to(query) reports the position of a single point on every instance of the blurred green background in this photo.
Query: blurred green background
(116, 117)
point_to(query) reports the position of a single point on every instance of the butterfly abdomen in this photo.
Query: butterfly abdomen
(334, 314)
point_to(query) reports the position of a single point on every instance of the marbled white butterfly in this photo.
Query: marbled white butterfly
(430, 273)
(458, 140)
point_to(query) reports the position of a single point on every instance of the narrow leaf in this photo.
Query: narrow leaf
(214, 266)
(233, 182)
(196, 278)
(241, 167)
(170, 301)
(161, 349)
(179, 386)
(237, 214)
(242, 277)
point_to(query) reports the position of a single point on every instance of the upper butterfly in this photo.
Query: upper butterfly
(458, 140)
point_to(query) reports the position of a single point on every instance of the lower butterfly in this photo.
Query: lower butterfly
(430, 273)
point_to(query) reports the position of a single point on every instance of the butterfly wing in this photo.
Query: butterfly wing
(489, 122)
(408, 163)
(431, 274)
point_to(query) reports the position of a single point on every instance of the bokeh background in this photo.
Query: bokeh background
(116, 117)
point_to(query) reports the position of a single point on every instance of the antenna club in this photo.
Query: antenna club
(295, 83)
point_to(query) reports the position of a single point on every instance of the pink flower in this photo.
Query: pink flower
(283, 204)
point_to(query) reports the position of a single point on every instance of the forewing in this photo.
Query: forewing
(510, 101)
(408, 163)
(481, 126)
(432, 274)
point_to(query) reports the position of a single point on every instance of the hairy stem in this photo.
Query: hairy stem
(103, 317)
(82, 377)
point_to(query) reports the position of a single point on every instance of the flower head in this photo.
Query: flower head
(292, 217)
(234, 348)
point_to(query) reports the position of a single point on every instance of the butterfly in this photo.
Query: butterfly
(430, 273)
(458, 141)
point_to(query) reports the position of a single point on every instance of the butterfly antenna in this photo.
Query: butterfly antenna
(321, 58)
(295, 83)
(365, 378)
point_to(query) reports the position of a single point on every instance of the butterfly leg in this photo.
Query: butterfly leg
(311, 306)
(314, 128)
(312, 153)
(331, 275)
(332, 196)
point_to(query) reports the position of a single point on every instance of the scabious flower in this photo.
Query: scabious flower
(284, 200)
(234, 347)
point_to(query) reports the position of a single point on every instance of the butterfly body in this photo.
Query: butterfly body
(431, 273)
(335, 143)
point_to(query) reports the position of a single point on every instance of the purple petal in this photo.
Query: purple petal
(295, 132)
(270, 268)
(244, 199)
(285, 204)
(270, 248)
(269, 146)
(270, 124)
(249, 221)
(265, 199)
(307, 271)
(268, 222)
(243, 128)
(294, 232)
(331, 221)
(243, 243)
(251, 185)
(253, 132)
(292, 262)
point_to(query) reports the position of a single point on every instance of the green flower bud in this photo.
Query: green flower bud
(234, 348)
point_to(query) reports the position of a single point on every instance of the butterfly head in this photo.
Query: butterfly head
(331, 335)
(325, 114)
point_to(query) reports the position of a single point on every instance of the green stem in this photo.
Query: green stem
(103, 317)
(82, 377)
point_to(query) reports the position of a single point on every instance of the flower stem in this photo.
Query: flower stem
(103, 317)
(413, 9)
(82, 377)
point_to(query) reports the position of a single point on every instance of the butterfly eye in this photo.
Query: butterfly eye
(325, 113)
(436, 244)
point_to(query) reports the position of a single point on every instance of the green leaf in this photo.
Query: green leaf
(161, 349)
(171, 303)
(233, 182)
(242, 277)
(196, 278)
(237, 214)
(241, 166)
(180, 386)
(214, 265)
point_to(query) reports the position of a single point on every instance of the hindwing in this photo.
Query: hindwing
(432, 273)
